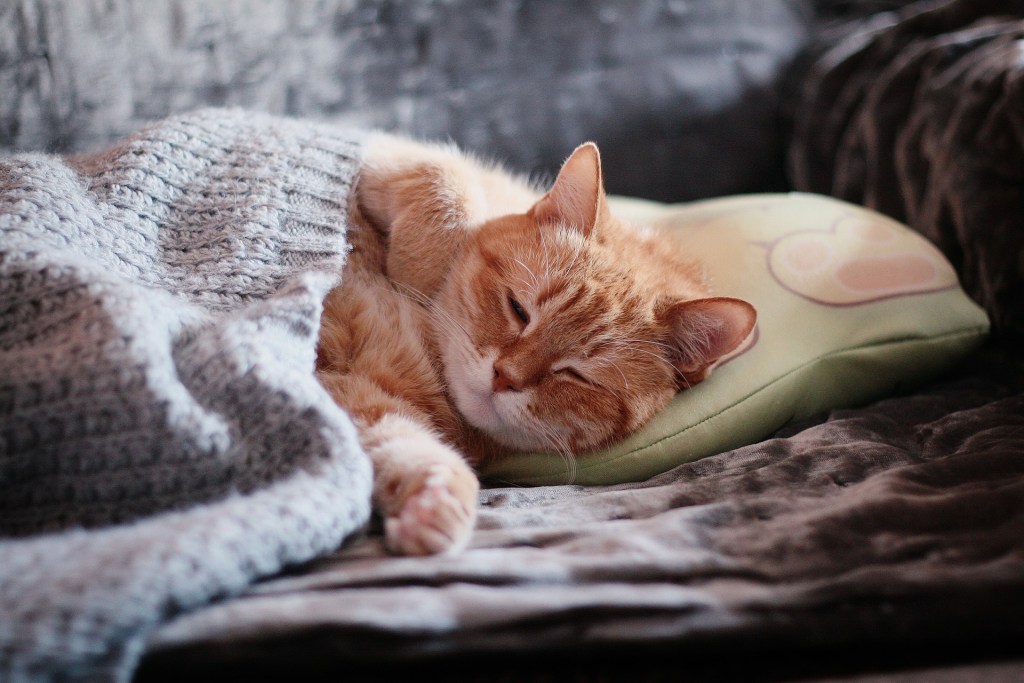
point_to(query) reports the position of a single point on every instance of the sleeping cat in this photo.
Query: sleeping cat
(478, 318)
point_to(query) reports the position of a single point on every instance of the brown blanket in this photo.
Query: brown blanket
(918, 114)
(896, 526)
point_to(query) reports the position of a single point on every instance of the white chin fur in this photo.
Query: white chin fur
(469, 378)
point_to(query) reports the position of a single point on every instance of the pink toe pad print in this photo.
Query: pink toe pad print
(857, 260)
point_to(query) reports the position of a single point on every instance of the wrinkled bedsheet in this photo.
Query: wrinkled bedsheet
(899, 523)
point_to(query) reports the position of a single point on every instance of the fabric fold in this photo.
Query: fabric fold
(163, 439)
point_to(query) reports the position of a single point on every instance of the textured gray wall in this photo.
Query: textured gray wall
(681, 95)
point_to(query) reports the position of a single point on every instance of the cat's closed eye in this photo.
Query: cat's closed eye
(519, 311)
(573, 373)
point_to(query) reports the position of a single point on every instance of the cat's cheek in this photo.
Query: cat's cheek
(520, 428)
(589, 419)
(468, 377)
(478, 409)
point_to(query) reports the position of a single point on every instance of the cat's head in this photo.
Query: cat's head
(562, 329)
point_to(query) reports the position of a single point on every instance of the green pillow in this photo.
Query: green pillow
(852, 306)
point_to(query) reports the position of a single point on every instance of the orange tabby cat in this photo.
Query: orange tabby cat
(477, 319)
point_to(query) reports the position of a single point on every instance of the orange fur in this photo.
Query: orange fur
(478, 317)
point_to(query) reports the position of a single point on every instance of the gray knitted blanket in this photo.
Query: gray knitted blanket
(163, 440)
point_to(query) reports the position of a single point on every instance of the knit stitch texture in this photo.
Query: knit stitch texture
(163, 439)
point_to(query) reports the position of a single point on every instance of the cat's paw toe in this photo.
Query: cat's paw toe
(436, 518)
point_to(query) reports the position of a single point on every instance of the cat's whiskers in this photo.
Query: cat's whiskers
(548, 433)
(547, 260)
(575, 257)
(444, 324)
(559, 445)
(667, 347)
(528, 286)
(558, 254)
(410, 292)
(446, 319)
(603, 361)
(533, 276)
(663, 345)
(633, 348)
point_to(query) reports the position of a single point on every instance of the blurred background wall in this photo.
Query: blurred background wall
(683, 96)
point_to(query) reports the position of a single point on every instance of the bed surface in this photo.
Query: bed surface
(890, 529)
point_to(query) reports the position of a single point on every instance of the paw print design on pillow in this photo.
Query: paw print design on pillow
(858, 260)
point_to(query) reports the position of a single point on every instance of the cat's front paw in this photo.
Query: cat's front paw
(437, 516)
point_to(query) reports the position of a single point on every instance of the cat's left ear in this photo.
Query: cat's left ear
(577, 198)
(705, 330)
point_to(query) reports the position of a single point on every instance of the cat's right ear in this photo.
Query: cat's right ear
(577, 198)
(705, 330)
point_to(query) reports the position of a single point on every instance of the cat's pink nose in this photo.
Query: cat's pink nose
(503, 380)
